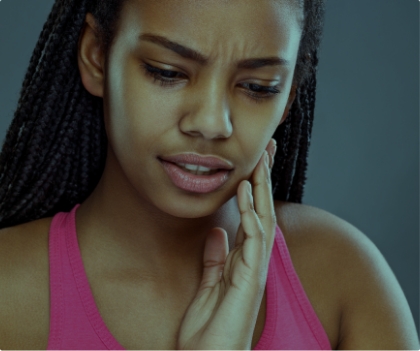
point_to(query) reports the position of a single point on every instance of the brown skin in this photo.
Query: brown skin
(351, 287)
(136, 218)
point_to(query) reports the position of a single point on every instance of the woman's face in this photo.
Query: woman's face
(210, 108)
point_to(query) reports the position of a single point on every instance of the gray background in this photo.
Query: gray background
(364, 156)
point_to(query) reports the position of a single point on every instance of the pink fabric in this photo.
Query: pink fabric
(75, 322)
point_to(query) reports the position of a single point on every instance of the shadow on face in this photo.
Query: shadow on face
(205, 77)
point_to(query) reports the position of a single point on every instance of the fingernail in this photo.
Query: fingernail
(272, 157)
(274, 153)
(250, 199)
(266, 157)
(249, 188)
(273, 149)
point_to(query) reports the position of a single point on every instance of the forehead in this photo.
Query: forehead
(217, 27)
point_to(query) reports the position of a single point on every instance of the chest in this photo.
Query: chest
(159, 327)
(144, 321)
(161, 312)
(154, 322)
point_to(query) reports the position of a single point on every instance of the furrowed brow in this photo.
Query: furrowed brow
(194, 55)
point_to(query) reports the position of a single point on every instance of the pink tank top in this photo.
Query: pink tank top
(76, 324)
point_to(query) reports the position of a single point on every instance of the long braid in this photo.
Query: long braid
(289, 171)
(56, 90)
(299, 179)
(13, 133)
(33, 88)
(287, 157)
(55, 148)
(59, 66)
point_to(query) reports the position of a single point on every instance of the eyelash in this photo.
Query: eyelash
(156, 73)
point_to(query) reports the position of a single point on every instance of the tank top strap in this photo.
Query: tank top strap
(75, 321)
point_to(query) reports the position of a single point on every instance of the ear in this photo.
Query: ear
(90, 58)
(290, 101)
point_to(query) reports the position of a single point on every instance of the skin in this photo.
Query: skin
(136, 219)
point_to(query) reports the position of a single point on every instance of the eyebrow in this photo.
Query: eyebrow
(191, 54)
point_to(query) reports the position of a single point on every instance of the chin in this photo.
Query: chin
(192, 206)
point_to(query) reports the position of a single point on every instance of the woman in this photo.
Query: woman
(129, 248)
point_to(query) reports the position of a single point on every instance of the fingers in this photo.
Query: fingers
(250, 230)
(243, 205)
(215, 253)
(263, 200)
(261, 205)
(272, 148)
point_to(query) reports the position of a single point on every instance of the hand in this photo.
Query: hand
(224, 312)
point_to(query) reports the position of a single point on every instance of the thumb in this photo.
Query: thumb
(214, 258)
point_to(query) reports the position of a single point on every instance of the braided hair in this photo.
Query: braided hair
(55, 148)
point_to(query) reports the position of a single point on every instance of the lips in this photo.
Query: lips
(195, 159)
(195, 183)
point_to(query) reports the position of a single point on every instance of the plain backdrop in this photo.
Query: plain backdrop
(363, 163)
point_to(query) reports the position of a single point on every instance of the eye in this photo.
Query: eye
(164, 76)
(268, 91)
(167, 78)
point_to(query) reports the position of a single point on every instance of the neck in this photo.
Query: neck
(120, 230)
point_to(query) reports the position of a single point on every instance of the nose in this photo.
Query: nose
(208, 115)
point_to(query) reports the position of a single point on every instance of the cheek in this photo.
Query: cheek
(253, 134)
(257, 127)
(135, 113)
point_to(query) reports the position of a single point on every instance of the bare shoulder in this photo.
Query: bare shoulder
(312, 231)
(24, 244)
(24, 289)
(374, 310)
(314, 250)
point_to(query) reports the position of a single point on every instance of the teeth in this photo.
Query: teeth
(198, 170)
(195, 167)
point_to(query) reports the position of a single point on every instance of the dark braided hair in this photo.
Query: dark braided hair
(55, 148)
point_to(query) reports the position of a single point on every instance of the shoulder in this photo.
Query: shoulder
(308, 226)
(24, 243)
(24, 283)
(374, 310)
